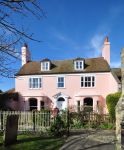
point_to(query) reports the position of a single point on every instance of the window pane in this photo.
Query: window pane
(93, 84)
(80, 65)
(43, 67)
(60, 84)
(82, 84)
(89, 84)
(46, 66)
(82, 78)
(89, 78)
(60, 81)
(82, 81)
(85, 84)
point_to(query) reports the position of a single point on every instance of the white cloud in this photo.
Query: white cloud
(96, 41)
(104, 29)
(95, 45)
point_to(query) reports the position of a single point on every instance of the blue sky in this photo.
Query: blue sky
(74, 28)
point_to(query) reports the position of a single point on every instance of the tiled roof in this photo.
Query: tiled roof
(117, 72)
(65, 66)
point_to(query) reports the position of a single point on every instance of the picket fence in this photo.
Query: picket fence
(42, 120)
(28, 121)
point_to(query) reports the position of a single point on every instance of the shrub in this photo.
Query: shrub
(111, 101)
(107, 126)
(59, 127)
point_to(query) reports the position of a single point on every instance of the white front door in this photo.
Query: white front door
(61, 103)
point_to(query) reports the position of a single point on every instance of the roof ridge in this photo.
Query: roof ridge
(69, 59)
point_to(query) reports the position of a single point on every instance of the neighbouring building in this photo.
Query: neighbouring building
(10, 100)
(76, 84)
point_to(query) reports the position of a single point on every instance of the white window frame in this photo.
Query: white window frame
(60, 82)
(32, 85)
(45, 66)
(79, 65)
(91, 81)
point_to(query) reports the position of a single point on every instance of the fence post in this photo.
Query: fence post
(1, 120)
(34, 120)
(68, 122)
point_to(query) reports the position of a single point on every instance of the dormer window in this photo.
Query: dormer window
(79, 64)
(45, 65)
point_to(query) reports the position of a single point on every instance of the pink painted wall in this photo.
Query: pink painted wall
(104, 85)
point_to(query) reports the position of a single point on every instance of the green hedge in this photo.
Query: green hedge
(111, 101)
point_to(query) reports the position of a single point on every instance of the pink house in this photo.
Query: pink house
(74, 83)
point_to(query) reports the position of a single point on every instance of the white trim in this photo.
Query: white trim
(75, 74)
(64, 103)
(60, 94)
(86, 95)
(89, 75)
(38, 83)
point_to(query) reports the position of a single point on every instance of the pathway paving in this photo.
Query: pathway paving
(90, 140)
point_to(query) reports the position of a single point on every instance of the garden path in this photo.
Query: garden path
(90, 140)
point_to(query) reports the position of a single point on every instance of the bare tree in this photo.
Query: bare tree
(11, 34)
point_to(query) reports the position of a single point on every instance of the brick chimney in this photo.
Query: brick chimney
(25, 54)
(106, 50)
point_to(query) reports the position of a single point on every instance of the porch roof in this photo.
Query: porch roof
(60, 94)
(87, 95)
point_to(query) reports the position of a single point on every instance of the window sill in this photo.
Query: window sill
(88, 87)
(61, 88)
(35, 88)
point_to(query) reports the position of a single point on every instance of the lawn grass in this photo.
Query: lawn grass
(34, 142)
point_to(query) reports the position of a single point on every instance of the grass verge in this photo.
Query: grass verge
(34, 142)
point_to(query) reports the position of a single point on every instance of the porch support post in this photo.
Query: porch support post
(55, 103)
(38, 104)
(66, 102)
(82, 103)
(94, 103)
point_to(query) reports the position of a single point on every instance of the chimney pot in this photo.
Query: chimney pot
(106, 39)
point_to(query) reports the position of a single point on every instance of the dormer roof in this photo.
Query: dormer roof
(78, 58)
(45, 60)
